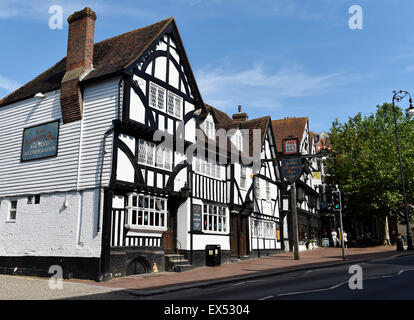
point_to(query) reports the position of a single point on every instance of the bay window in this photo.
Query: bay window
(146, 212)
(152, 155)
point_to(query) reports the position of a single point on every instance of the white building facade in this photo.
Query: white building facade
(106, 171)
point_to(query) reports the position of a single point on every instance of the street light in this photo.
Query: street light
(398, 96)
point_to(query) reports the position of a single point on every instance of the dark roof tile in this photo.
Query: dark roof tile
(110, 57)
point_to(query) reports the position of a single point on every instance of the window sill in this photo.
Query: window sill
(10, 221)
(140, 228)
(210, 233)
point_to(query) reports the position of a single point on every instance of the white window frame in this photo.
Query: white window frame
(239, 141)
(215, 219)
(206, 168)
(210, 129)
(177, 111)
(243, 178)
(264, 229)
(257, 187)
(268, 197)
(12, 209)
(155, 207)
(161, 156)
(155, 102)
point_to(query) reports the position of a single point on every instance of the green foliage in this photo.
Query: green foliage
(364, 160)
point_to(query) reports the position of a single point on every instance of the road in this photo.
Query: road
(391, 278)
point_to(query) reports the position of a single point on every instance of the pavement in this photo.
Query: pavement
(385, 279)
(18, 287)
(162, 282)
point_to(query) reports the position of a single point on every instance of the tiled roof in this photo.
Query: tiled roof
(227, 123)
(111, 56)
(285, 128)
(251, 125)
(222, 117)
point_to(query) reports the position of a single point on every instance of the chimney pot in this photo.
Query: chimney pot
(240, 117)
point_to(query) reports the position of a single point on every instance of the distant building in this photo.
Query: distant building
(307, 185)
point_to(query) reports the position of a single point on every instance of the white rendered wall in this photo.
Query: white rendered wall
(50, 229)
(183, 225)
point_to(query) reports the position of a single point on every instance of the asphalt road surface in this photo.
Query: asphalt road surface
(392, 278)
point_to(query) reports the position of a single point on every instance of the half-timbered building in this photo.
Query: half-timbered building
(307, 188)
(253, 190)
(106, 168)
(107, 194)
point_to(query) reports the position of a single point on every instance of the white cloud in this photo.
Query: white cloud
(260, 88)
(8, 84)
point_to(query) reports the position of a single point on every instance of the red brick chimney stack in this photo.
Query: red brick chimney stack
(79, 59)
(80, 39)
(241, 116)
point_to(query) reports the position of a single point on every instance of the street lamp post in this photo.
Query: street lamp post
(398, 96)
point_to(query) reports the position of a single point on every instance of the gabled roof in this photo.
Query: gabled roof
(259, 124)
(110, 57)
(227, 123)
(285, 128)
(220, 116)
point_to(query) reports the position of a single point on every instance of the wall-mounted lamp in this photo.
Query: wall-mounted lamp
(39, 95)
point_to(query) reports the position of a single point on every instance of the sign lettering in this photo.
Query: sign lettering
(291, 169)
(197, 217)
(40, 141)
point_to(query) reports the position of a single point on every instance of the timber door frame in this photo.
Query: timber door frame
(171, 231)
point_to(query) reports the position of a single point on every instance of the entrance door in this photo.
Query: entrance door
(169, 236)
(233, 236)
(236, 243)
(243, 235)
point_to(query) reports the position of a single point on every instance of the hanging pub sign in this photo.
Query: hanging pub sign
(40, 141)
(290, 146)
(197, 226)
(291, 168)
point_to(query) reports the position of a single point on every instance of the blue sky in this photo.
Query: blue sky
(285, 58)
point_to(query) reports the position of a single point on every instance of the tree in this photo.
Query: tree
(364, 161)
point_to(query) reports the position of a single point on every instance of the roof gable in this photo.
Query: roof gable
(291, 127)
(111, 56)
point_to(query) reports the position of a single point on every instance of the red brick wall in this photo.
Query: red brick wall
(80, 55)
